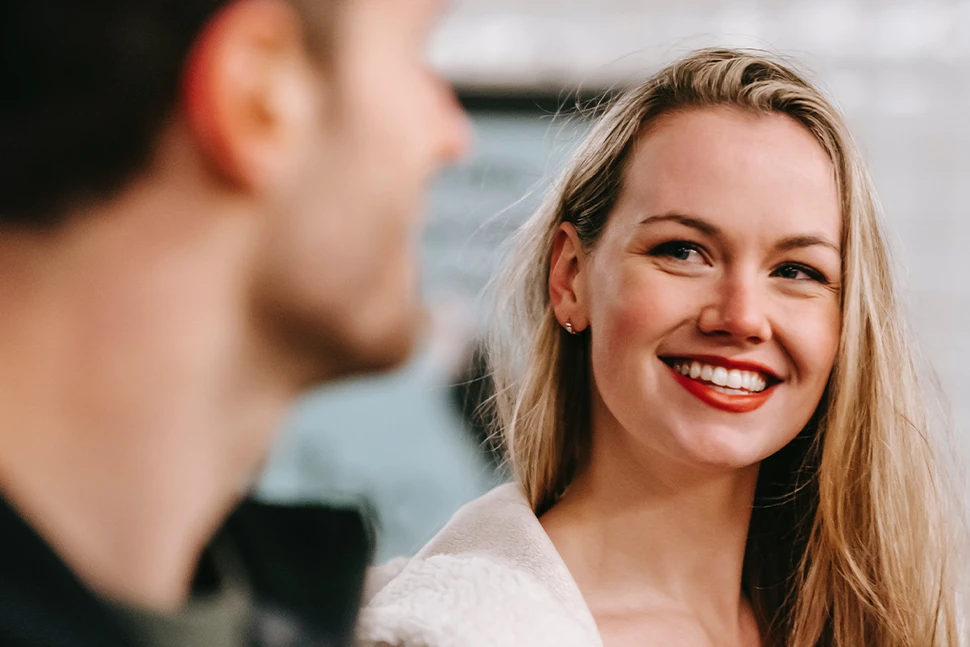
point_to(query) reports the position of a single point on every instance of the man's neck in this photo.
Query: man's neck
(131, 418)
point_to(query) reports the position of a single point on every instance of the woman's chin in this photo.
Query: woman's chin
(723, 449)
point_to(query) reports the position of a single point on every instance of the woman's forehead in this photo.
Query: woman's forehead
(725, 163)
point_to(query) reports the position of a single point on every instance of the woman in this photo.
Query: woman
(705, 388)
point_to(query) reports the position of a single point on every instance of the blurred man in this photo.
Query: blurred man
(205, 207)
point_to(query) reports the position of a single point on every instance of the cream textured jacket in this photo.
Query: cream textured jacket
(490, 577)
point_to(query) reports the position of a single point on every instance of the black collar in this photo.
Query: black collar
(306, 561)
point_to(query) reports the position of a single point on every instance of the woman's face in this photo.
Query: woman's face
(712, 297)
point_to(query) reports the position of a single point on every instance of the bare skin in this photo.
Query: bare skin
(659, 562)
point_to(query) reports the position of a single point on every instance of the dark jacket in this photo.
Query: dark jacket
(304, 567)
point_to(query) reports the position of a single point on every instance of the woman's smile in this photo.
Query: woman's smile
(728, 385)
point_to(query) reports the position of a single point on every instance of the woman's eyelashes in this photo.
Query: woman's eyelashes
(680, 250)
(685, 252)
(800, 272)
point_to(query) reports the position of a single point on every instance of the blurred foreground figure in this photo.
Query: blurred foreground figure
(205, 208)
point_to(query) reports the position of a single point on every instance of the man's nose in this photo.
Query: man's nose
(455, 129)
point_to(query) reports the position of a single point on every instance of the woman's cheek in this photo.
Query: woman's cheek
(643, 302)
(811, 335)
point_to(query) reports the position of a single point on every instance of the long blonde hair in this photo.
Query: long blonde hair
(850, 543)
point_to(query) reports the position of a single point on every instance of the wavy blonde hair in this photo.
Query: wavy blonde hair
(851, 541)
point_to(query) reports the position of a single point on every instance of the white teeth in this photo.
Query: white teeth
(724, 389)
(720, 376)
(732, 382)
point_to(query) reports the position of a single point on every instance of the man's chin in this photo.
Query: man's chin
(315, 351)
(379, 353)
(390, 354)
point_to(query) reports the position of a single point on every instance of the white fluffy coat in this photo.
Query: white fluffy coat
(491, 577)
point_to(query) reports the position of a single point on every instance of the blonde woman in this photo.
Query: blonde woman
(710, 407)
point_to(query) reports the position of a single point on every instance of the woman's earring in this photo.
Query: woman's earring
(569, 328)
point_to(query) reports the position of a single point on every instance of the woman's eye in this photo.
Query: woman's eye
(799, 273)
(679, 250)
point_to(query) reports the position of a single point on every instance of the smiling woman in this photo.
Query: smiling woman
(708, 398)
(739, 283)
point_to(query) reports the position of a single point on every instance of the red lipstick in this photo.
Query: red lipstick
(726, 401)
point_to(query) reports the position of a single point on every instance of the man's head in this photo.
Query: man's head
(317, 123)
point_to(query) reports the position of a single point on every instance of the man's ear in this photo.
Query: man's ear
(250, 95)
(567, 291)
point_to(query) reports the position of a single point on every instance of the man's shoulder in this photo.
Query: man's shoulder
(308, 560)
(305, 564)
(42, 602)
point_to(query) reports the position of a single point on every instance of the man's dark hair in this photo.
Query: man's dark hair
(86, 88)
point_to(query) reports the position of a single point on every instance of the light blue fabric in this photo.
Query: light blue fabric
(393, 441)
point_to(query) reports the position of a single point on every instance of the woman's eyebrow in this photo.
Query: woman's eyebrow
(806, 240)
(694, 222)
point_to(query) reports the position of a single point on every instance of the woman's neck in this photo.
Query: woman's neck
(641, 534)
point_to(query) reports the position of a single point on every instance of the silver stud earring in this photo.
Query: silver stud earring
(569, 328)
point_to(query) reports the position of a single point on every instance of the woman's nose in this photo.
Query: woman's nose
(737, 310)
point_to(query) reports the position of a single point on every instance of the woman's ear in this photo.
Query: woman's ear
(567, 276)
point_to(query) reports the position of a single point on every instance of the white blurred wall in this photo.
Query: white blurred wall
(525, 43)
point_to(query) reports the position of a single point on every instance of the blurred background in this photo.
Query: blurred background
(899, 70)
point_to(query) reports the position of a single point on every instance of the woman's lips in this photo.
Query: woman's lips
(709, 394)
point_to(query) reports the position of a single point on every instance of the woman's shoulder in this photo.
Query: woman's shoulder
(491, 576)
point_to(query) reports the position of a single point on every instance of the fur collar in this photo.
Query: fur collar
(490, 577)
